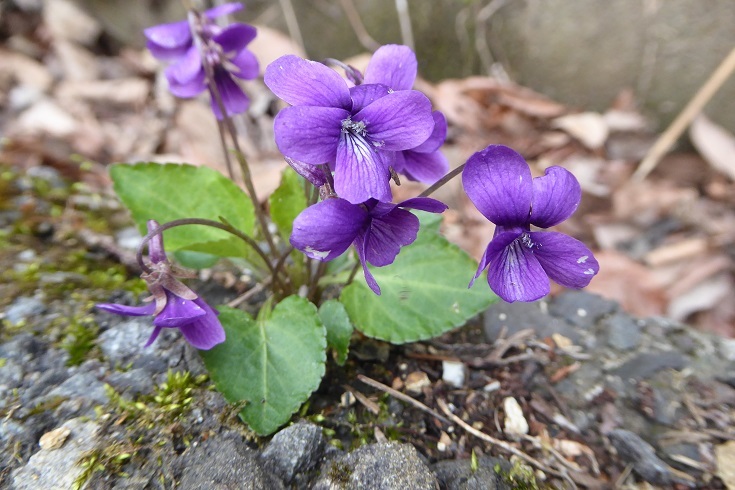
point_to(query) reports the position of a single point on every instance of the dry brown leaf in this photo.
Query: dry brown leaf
(725, 457)
(25, 70)
(701, 297)
(589, 128)
(715, 144)
(629, 283)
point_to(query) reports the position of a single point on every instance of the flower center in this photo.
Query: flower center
(357, 128)
(525, 239)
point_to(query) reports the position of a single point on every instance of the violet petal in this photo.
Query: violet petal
(515, 273)
(309, 134)
(124, 310)
(498, 182)
(482, 265)
(325, 230)
(247, 65)
(392, 65)
(186, 68)
(206, 331)
(235, 37)
(360, 244)
(304, 82)
(556, 197)
(167, 37)
(233, 98)
(178, 311)
(366, 94)
(437, 137)
(424, 167)
(224, 9)
(566, 260)
(361, 172)
(387, 234)
(398, 121)
(192, 88)
(154, 335)
(424, 204)
(312, 173)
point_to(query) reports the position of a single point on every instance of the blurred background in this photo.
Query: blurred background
(587, 84)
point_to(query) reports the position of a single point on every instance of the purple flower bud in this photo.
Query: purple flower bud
(520, 262)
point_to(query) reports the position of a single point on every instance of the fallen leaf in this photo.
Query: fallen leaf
(589, 128)
(725, 457)
(715, 144)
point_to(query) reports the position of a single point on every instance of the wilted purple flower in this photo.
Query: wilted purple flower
(192, 44)
(395, 66)
(173, 304)
(378, 230)
(498, 182)
(357, 130)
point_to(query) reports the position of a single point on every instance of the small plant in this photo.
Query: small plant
(108, 460)
(348, 141)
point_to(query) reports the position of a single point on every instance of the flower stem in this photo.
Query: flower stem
(439, 183)
(226, 121)
(214, 224)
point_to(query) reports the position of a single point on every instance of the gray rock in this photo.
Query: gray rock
(385, 466)
(124, 341)
(647, 364)
(458, 475)
(514, 317)
(56, 469)
(11, 376)
(294, 451)
(581, 309)
(23, 348)
(635, 451)
(623, 332)
(23, 308)
(134, 382)
(224, 462)
(81, 385)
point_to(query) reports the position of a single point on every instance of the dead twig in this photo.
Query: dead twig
(353, 17)
(685, 117)
(503, 445)
(369, 404)
(397, 394)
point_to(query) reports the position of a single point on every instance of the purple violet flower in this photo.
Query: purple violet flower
(378, 230)
(191, 44)
(498, 182)
(395, 66)
(173, 304)
(356, 130)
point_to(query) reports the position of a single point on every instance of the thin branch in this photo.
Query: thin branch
(501, 444)
(667, 139)
(443, 181)
(353, 17)
(404, 19)
(397, 394)
(292, 23)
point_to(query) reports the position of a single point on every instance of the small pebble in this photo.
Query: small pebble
(54, 439)
(453, 373)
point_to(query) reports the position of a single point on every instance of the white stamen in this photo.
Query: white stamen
(589, 272)
(582, 259)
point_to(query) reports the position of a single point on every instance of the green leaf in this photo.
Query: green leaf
(172, 191)
(424, 293)
(273, 363)
(339, 328)
(287, 202)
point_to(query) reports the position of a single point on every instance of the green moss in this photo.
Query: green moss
(80, 335)
(519, 476)
(109, 460)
